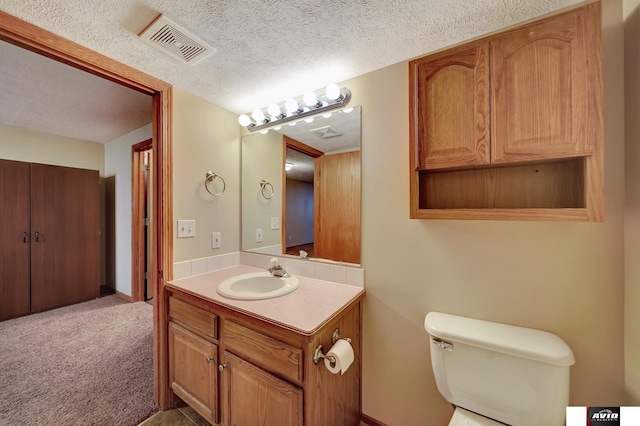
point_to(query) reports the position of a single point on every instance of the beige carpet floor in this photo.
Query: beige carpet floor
(85, 364)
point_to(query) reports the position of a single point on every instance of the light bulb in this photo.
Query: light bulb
(310, 99)
(274, 110)
(333, 91)
(291, 105)
(258, 115)
(244, 120)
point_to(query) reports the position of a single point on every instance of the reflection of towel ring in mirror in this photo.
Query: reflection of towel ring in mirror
(210, 177)
(263, 185)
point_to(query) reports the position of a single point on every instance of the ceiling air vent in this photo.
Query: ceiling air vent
(166, 35)
(326, 132)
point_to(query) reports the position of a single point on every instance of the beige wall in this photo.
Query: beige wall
(566, 278)
(117, 164)
(632, 213)
(205, 137)
(262, 159)
(21, 144)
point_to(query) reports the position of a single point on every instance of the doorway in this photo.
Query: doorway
(19, 32)
(141, 160)
(298, 209)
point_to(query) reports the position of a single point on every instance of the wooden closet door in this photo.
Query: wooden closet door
(15, 295)
(65, 224)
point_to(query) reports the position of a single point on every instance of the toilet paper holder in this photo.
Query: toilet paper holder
(318, 354)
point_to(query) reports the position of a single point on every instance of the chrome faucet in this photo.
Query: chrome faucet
(277, 270)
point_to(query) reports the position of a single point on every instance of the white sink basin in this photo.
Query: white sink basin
(257, 286)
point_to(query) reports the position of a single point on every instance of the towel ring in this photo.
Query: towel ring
(210, 177)
(263, 185)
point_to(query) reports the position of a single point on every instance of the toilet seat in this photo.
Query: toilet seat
(462, 417)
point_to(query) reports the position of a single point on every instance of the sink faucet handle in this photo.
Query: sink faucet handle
(274, 262)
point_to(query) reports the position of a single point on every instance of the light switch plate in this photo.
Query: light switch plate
(275, 223)
(186, 228)
(259, 235)
(216, 240)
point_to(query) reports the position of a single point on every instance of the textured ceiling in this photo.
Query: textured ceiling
(41, 94)
(268, 50)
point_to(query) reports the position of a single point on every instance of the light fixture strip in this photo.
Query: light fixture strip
(307, 112)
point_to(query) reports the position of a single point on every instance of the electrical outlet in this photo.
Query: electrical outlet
(186, 228)
(216, 240)
(259, 235)
(275, 223)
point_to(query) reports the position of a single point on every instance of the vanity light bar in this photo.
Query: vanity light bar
(293, 110)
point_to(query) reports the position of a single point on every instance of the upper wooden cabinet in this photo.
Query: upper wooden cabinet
(452, 120)
(510, 126)
(541, 88)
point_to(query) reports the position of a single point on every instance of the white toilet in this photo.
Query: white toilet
(496, 374)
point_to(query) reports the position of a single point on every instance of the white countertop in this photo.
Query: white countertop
(304, 310)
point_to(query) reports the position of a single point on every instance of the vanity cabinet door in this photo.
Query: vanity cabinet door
(450, 116)
(543, 89)
(193, 371)
(251, 396)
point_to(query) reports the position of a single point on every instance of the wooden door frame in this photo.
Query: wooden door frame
(288, 142)
(31, 37)
(138, 259)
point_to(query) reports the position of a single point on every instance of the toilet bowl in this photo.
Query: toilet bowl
(462, 417)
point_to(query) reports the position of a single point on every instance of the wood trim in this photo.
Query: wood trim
(283, 214)
(370, 421)
(24, 34)
(123, 296)
(162, 240)
(301, 147)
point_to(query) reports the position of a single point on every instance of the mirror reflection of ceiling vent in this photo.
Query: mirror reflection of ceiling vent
(326, 132)
(166, 35)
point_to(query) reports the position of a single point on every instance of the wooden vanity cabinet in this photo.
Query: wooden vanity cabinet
(510, 126)
(260, 372)
(193, 371)
(193, 357)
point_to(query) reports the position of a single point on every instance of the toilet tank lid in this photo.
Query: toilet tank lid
(508, 339)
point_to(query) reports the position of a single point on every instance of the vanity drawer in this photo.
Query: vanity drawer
(264, 351)
(198, 320)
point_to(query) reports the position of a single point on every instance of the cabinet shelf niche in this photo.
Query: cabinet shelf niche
(553, 185)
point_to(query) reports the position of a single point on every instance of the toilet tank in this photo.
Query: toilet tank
(515, 375)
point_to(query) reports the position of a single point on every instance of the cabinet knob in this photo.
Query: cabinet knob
(221, 367)
(209, 359)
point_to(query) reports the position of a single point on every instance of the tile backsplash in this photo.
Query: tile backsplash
(322, 270)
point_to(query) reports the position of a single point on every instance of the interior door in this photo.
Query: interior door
(337, 207)
(65, 246)
(15, 296)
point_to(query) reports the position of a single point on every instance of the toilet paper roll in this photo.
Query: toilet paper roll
(342, 353)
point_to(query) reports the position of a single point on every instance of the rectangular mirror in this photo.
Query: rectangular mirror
(301, 189)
